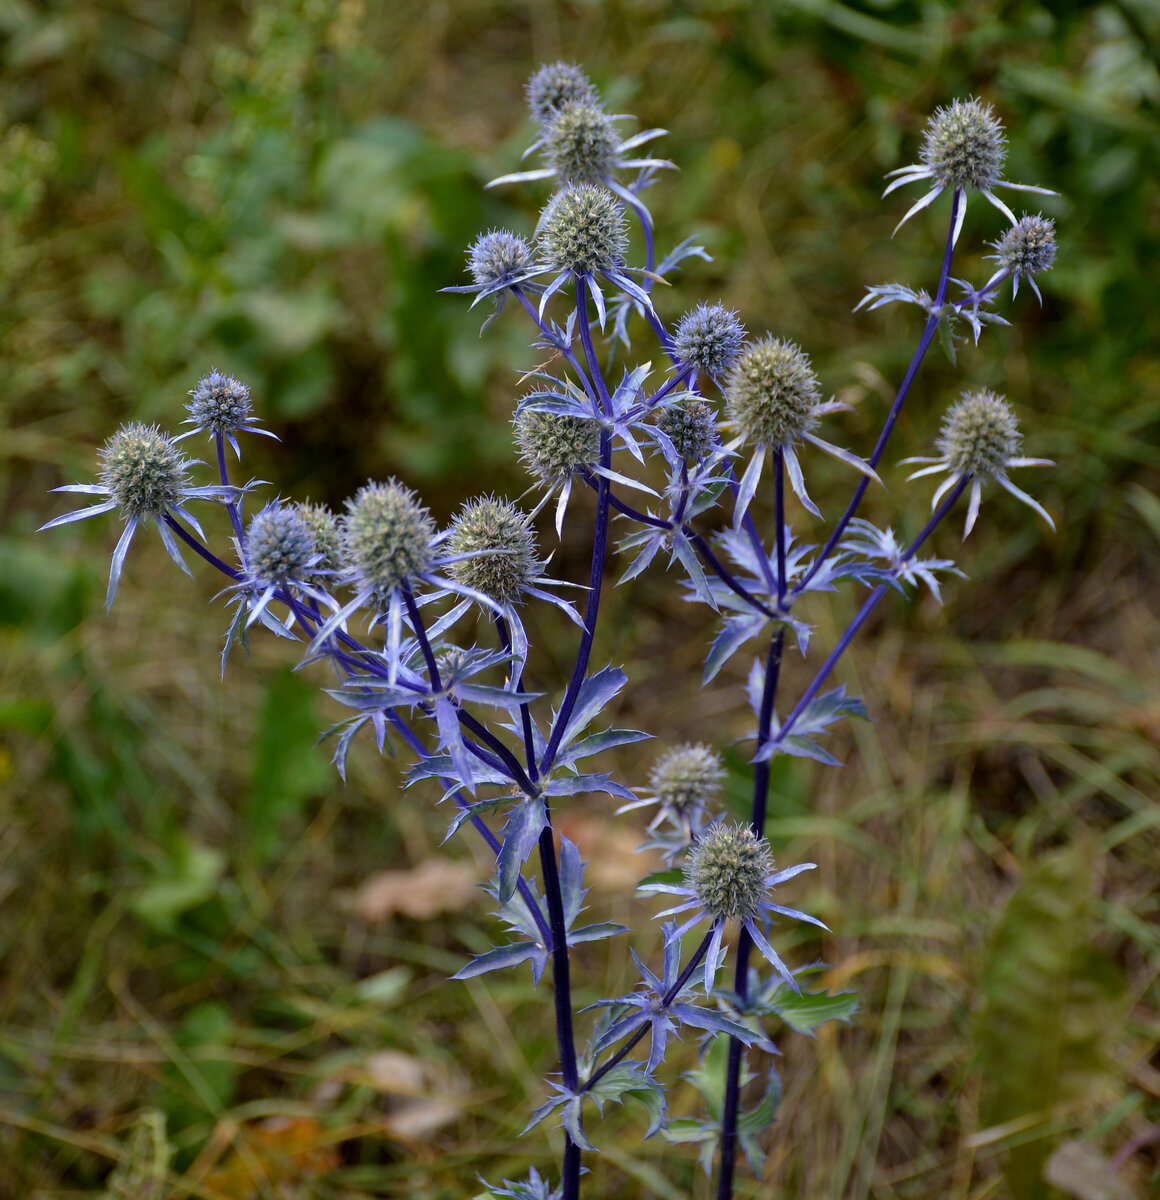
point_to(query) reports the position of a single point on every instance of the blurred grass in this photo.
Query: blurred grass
(278, 189)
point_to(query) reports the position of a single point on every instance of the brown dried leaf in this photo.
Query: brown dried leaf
(433, 887)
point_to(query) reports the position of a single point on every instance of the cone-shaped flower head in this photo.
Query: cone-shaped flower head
(220, 404)
(772, 393)
(582, 230)
(554, 446)
(498, 256)
(964, 144)
(727, 870)
(691, 426)
(582, 143)
(709, 339)
(979, 435)
(555, 85)
(386, 535)
(280, 547)
(143, 471)
(489, 524)
(324, 529)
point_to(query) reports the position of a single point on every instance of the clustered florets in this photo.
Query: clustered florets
(583, 229)
(581, 143)
(490, 524)
(497, 256)
(709, 339)
(727, 869)
(553, 446)
(979, 435)
(324, 529)
(386, 535)
(687, 779)
(1027, 247)
(555, 85)
(964, 144)
(772, 392)
(220, 404)
(144, 471)
(691, 426)
(280, 547)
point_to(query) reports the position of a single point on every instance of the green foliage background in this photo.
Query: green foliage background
(278, 190)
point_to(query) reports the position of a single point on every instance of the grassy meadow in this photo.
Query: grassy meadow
(217, 956)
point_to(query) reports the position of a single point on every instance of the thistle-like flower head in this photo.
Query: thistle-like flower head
(497, 257)
(553, 86)
(324, 529)
(684, 782)
(280, 547)
(220, 405)
(502, 545)
(1027, 249)
(143, 470)
(554, 446)
(581, 143)
(583, 230)
(772, 393)
(979, 441)
(386, 535)
(726, 871)
(691, 425)
(709, 339)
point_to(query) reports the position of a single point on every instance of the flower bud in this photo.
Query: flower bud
(709, 338)
(386, 534)
(554, 446)
(581, 143)
(553, 86)
(964, 144)
(583, 229)
(497, 256)
(772, 392)
(691, 426)
(279, 546)
(143, 470)
(1028, 247)
(220, 404)
(490, 524)
(727, 868)
(979, 435)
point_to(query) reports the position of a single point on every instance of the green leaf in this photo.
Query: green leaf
(188, 879)
(805, 1011)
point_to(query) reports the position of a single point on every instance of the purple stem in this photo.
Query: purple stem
(911, 371)
(231, 505)
(779, 521)
(525, 712)
(530, 308)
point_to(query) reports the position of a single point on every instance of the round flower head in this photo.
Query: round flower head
(709, 339)
(691, 426)
(501, 546)
(1025, 250)
(386, 535)
(324, 529)
(581, 143)
(583, 230)
(772, 392)
(683, 783)
(497, 257)
(143, 470)
(280, 548)
(220, 405)
(555, 85)
(146, 477)
(728, 876)
(963, 146)
(980, 441)
(554, 446)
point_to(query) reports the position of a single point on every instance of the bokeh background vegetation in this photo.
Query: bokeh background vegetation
(211, 949)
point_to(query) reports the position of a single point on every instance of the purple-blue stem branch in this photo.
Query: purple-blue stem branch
(231, 505)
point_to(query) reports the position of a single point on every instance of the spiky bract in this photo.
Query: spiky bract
(583, 229)
(979, 435)
(491, 524)
(964, 144)
(727, 869)
(687, 779)
(581, 143)
(691, 426)
(498, 255)
(220, 404)
(386, 535)
(555, 85)
(554, 446)
(144, 471)
(772, 392)
(709, 338)
(280, 547)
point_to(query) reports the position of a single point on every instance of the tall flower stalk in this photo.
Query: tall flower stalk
(388, 600)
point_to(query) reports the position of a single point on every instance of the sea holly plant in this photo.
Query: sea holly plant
(423, 632)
